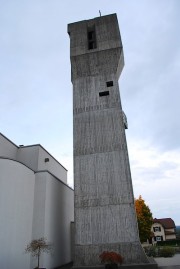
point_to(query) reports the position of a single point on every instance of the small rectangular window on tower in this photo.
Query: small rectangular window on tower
(105, 93)
(91, 35)
(109, 83)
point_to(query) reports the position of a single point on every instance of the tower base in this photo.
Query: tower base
(87, 256)
(150, 265)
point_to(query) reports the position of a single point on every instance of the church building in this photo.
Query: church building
(35, 202)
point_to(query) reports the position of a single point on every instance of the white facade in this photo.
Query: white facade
(158, 231)
(34, 202)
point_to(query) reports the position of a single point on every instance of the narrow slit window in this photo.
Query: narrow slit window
(105, 93)
(109, 83)
(91, 35)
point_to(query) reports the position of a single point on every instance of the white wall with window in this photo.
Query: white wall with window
(158, 231)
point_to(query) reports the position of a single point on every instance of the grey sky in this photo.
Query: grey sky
(36, 91)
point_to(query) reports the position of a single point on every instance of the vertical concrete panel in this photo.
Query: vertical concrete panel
(53, 213)
(59, 215)
(16, 213)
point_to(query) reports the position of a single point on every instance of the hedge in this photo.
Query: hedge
(175, 242)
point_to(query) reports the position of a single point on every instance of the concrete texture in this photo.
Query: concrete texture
(105, 218)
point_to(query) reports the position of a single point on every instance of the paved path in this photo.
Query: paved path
(169, 263)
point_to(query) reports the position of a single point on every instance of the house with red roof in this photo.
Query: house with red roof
(163, 230)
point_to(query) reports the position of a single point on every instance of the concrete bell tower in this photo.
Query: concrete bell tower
(105, 218)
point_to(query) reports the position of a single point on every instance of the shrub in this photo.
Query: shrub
(166, 252)
(174, 242)
(111, 257)
(151, 251)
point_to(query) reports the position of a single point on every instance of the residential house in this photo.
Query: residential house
(163, 230)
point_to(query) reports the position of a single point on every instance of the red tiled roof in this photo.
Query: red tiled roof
(166, 223)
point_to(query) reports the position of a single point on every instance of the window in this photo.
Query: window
(105, 93)
(157, 229)
(91, 35)
(109, 83)
(159, 238)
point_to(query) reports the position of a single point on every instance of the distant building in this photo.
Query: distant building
(35, 201)
(163, 230)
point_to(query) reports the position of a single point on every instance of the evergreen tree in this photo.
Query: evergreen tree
(144, 219)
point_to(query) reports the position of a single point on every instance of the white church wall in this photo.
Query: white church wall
(29, 156)
(16, 213)
(33, 205)
(7, 148)
(52, 165)
(53, 213)
(38, 222)
(38, 159)
(58, 222)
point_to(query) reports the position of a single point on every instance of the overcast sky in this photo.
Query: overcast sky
(36, 89)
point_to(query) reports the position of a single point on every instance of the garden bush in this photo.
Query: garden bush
(166, 252)
(169, 243)
(155, 251)
(151, 251)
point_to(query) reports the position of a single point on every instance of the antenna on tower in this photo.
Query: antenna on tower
(100, 13)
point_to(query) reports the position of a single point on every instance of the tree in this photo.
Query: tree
(37, 246)
(144, 219)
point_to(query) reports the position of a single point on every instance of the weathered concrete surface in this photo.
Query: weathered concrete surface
(105, 216)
